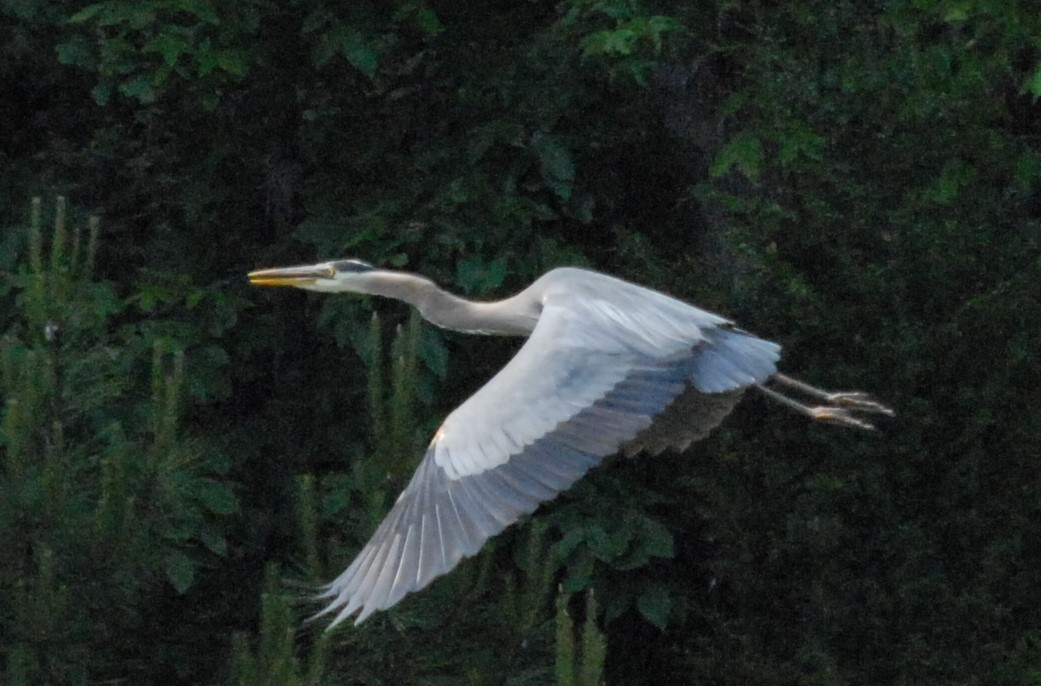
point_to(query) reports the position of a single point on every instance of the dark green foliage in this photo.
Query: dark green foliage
(274, 662)
(184, 461)
(581, 664)
(106, 506)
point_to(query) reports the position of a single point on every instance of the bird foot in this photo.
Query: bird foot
(840, 408)
(838, 415)
(855, 401)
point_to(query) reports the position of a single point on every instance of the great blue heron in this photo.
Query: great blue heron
(608, 367)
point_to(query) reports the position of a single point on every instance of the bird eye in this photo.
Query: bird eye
(352, 266)
(330, 272)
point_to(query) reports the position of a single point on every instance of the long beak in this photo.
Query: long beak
(289, 276)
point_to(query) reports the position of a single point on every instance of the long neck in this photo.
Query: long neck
(514, 316)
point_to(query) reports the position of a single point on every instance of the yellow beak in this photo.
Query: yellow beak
(290, 276)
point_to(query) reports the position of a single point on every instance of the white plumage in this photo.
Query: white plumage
(608, 366)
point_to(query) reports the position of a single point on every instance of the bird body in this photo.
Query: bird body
(608, 367)
(600, 346)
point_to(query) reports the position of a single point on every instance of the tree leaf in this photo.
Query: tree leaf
(800, 142)
(215, 496)
(654, 604)
(233, 62)
(102, 93)
(433, 352)
(1033, 84)
(427, 20)
(475, 275)
(616, 42)
(201, 9)
(213, 540)
(656, 539)
(360, 52)
(180, 570)
(558, 169)
(88, 12)
(169, 44)
(745, 151)
(140, 88)
(75, 51)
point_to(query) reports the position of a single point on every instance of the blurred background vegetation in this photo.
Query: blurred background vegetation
(183, 460)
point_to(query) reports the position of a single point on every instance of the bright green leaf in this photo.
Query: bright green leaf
(744, 151)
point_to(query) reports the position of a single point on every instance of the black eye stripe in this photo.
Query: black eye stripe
(355, 266)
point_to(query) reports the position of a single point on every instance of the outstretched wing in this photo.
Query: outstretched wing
(593, 376)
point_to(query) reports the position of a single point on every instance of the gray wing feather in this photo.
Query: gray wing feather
(567, 400)
(689, 418)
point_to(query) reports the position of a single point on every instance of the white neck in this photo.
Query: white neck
(514, 316)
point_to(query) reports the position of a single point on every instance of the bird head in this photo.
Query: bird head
(338, 276)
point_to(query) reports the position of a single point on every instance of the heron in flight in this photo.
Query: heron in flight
(608, 367)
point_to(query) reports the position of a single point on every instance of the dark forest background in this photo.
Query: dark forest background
(184, 459)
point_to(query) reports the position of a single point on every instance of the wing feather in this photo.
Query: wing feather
(468, 530)
(520, 480)
(506, 509)
(440, 543)
(363, 596)
(383, 584)
(591, 381)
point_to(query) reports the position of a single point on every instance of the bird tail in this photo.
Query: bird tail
(729, 359)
